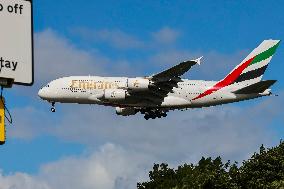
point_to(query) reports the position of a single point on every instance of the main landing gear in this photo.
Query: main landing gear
(53, 107)
(153, 114)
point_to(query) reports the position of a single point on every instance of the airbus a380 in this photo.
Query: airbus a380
(156, 95)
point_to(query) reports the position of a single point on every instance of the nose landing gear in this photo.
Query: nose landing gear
(53, 107)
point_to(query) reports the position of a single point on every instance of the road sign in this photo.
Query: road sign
(16, 41)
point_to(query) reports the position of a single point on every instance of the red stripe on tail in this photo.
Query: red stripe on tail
(227, 80)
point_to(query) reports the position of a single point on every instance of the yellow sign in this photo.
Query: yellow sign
(2, 123)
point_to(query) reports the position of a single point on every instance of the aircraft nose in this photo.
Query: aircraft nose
(41, 93)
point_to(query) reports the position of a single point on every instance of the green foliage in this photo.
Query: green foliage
(263, 170)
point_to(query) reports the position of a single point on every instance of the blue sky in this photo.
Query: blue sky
(131, 38)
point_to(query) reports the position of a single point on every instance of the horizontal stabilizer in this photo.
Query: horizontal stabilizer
(259, 87)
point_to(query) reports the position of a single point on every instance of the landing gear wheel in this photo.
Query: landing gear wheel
(153, 116)
(53, 108)
(146, 117)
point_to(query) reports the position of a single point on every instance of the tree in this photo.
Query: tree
(161, 177)
(207, 173)
(263, 170)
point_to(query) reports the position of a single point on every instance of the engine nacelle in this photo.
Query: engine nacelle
(115, 95)
(138, 84)
(125, 111)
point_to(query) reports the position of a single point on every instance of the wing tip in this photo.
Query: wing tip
(198, 60)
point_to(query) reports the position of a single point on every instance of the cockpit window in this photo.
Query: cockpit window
(45, 86)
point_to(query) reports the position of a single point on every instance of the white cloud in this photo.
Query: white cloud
(106, 169)
(166, 35)
(115, 38)
(55, 57)
(110, 168)
(31, 122)
(134, 145)
(121, 40)
(225, 130)
(230, 131)
(21, 181)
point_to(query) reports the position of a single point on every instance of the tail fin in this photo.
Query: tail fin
(252, 68)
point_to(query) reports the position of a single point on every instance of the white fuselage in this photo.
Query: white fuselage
(92, 90)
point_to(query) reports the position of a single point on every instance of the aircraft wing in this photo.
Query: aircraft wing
(176, 71)
(164, 82)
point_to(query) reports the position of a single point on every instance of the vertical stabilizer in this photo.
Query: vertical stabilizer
(250, 70)
(254, 65)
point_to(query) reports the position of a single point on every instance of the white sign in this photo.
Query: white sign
(16, 41)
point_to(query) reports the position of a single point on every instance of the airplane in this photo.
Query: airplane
(156, 95)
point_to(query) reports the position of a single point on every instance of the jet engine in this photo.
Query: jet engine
(138, 84)
(115, 95)
(125, 111)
